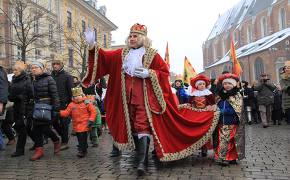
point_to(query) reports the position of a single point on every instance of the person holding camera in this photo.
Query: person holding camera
(285, 86)
(265, 99)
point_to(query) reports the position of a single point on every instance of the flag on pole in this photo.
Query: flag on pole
(166, 58)
(188, 71)
(237, 69)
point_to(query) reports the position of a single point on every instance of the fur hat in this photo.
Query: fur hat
(199, 78)
(230, 78)
(21, 65)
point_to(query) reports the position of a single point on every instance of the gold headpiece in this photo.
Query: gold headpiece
(139, 28)
(77, 91)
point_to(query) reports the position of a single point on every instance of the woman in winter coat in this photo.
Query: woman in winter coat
(285, 86)
(45, 91)
(21, 93)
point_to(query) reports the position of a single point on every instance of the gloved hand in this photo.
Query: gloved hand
(141, 73)
(90, 37)
(90, 123)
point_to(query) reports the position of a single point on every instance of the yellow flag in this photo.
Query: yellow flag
(188, 71)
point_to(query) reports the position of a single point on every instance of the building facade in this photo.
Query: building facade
(261, 35)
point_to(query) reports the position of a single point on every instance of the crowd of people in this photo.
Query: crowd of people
(262, 102)
(141, 105)
(41, 105)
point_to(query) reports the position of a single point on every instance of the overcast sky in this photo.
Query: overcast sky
(185, 24)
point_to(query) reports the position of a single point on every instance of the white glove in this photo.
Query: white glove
(90, 37)
(141, 73)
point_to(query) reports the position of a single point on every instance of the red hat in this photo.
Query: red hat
(197, 78)
(139, 28)
(228, 77)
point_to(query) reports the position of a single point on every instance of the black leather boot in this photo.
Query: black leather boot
(115, 152)
(17, 153)
(143, 146)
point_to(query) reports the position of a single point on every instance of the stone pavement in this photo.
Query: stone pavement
(267, 157)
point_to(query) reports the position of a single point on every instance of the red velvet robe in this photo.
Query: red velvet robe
(177, 133)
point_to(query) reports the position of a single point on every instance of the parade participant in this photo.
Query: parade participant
(83, 116)
(230, 105)
(139, 101)
(180, 91)
(201, 98)
(21, 93)
(64, 83)
(46, 103)
(96, 129)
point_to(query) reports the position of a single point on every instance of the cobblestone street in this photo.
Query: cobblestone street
(267, 157)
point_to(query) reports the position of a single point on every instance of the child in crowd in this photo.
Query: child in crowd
(83, 117)
(202, 99)
(230, 104)
(96, 129)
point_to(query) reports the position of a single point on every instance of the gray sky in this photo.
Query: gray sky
(185, 24)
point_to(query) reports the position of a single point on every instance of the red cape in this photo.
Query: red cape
(177, 133)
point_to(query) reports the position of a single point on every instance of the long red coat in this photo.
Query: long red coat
(176, 133)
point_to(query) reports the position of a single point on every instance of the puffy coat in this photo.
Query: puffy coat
(21, 93)
(265, 93)
(3, 86)
(285, 86)
(64, 83)
(45, 91)
(81, 113)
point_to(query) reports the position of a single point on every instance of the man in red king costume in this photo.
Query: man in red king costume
(139, 101)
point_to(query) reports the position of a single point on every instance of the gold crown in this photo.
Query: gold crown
(139, 28)
(77, 91)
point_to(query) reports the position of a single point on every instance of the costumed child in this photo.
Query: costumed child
(202, 99)
(83, 117)
(96, 129)
(230, 104)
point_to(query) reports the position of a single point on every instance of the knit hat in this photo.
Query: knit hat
(198, 79)
(229, 78)
(37, 63)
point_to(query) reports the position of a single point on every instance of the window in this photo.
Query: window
(259, 68)
(282, 19)
(70, 57)
(105, 41)
(49, 5)
(264, 31)
(36, 25)
(19, 52)
(243, 74)
(83, 26)
(37, 54)
(249, 34)
(213, 75)
(50, 31)
(69, 19)
(96, 34)
(1, 6)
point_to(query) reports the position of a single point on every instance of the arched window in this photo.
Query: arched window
(249, 34)
(259, 68)
(282, 19)
(243, 74)
(213, 75)
(105, 41)
(264, 31)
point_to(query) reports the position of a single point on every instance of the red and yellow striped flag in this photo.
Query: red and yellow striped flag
(237, 69)
(166, 58)
(188, 71)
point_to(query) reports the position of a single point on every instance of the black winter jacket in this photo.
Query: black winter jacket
(21, 93)
(64, 83)
(45, 90)
(3, 86)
